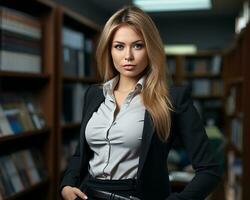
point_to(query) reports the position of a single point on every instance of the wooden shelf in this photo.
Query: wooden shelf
(80, 80)
(42, 86)
(24, 75)
(236, 73)
(37, 186)
(238, 115)
(235, 81)
(23, 135)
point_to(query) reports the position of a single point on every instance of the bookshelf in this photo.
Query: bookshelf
(47, 86)
(202, 72)
(41, 85)
(236, 75)
(74, 80)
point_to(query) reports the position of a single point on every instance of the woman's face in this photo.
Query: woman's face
(129, 52)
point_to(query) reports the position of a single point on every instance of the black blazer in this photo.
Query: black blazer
(152, 175)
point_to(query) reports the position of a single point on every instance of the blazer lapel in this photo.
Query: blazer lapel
(148, 131)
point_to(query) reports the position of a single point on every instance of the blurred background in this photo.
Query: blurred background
(47, 60)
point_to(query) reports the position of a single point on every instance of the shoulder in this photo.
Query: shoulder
(95, 89)
(180, 97)
(93, 92)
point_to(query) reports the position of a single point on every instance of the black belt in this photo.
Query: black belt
(108, 195)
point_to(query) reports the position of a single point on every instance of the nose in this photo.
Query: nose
(129, 54)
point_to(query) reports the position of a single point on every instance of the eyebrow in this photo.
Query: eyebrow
(124, 43)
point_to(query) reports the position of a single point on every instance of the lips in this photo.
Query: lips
(129, 67)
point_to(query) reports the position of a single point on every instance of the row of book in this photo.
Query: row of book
(234, 190)
(201, 66)
(237, 133)
(20, 41)
(243, 17)
(19, 113)
(232, 100)
(207, 87)
(197, 66)
(68, 149)
(73, 99)
(20, 170)
(77, 53)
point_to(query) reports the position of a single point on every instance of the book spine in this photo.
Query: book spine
(20, 17)
(17, 45)
(20, 28)
(23, 62)
(4, 124)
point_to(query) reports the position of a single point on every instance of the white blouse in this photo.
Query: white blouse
(116, 141)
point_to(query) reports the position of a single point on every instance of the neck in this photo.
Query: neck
(126, 84)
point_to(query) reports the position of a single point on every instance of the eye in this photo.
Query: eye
(118, 46)
(138, 46)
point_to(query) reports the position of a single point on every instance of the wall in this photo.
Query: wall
(215, 33)
(206, 34)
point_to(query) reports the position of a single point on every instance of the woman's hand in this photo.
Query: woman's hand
(71, 193)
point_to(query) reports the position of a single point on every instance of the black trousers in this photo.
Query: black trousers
(125, 187)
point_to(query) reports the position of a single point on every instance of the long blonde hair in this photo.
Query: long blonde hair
(155, 93)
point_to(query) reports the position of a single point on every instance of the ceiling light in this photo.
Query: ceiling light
(172, 5)
(179, 49)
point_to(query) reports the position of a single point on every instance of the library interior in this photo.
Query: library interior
(205, 43)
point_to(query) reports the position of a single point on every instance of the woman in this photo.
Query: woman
(130, 123)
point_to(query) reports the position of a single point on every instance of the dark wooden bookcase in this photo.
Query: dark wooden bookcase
(183, 71)
(236, 76)
(68, 18)
(42, 85)
(181, 75)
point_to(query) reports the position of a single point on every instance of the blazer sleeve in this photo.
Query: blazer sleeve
(192, 133)
(71, 176)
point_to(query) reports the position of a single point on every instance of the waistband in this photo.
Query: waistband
(111, 185)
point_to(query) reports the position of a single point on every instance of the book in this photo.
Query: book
(32, 171)
(23, 62)
(19, 22)
(35, 112)
(200, 67)
(5, 128)
(70, 65)
(72, 38)
(216, 65)
(12, 113)
(12, 173)
(201, 87)
(10, 43)
(237, 133)
(23, 173)
(73, 52)
(2, 187)
(67, 150)
(39, 162)
(231, 101)
(8, 186)
(73, 100)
